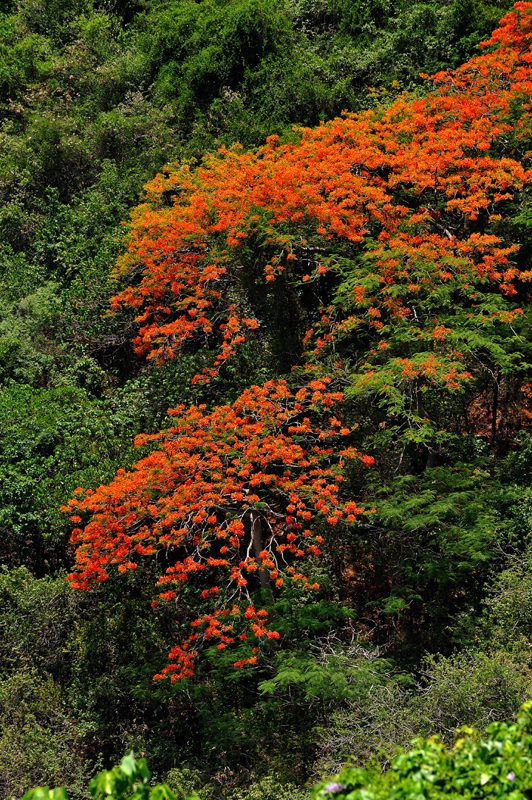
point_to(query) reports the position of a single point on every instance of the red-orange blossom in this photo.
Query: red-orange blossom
(412, 180)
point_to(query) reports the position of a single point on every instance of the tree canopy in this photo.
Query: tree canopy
(393, 217)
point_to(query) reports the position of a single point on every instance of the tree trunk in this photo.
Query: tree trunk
(494, 409)
(431, 450)
(256, 533)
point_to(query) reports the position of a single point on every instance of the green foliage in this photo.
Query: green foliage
(100, 655)
(444, 530)
(95, 99)
(39, 742)
(26, 353)
(471, 688)
(330, 675)
(496, 764)
(508, 607)
(129, 781)
(201, 51)
(447, 509)
(269, 788)
(36, 622)
(52, 441)
(493, 764)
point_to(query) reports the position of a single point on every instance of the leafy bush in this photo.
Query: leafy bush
(508, 608)
(269, 788)
(36, 621)
(130, 780)
(52, 440)
(493, 765)
(470, 688)
(38, 740)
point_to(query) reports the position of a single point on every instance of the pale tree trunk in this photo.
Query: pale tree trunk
(256, 534)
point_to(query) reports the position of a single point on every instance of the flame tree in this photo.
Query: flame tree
(232, 491)
(393, 232)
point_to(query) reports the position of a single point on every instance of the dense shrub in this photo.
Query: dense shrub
(492, 765)
(496, 764)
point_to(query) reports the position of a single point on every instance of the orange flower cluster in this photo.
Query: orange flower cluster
(415, 177)
(272, 457)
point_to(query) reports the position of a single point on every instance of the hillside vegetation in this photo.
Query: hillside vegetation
(261, 217)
